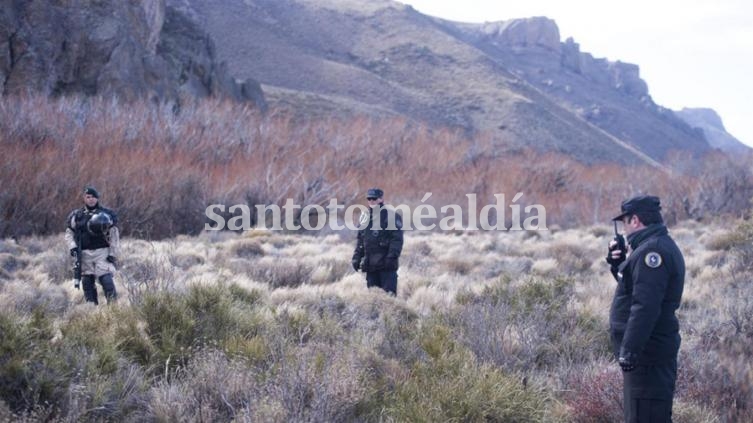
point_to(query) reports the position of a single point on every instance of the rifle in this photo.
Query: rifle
(77, 262)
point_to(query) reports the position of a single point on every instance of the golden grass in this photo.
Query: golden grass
(304, 287)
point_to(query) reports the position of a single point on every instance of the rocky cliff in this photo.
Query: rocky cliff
(131, 49)
(608, 95)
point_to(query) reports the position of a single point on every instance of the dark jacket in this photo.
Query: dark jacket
(380, 242)
(649, 289)
(77, 220)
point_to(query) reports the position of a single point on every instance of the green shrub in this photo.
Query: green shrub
(248, 297)
(32, 374)
(170, 327)
(130, 335)
(255, 349)
(452, 386)
(211, 309)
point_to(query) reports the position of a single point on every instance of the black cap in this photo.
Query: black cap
(640, 204)
(91, 191)
(374, 193)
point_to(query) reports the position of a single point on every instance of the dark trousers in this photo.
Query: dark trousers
(648, 392)
(385, 279)
(90, 290)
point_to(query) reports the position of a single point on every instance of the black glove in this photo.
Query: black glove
(74, 252)
(356, 263)
(390, 263)
(113, 260)
(615, 262)
(627, 361)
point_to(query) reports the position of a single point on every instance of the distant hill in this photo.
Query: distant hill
(516, 81)
(708, 121)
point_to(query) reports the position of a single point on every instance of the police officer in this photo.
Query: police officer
(650, 276)
(380, 242)
(92, 230)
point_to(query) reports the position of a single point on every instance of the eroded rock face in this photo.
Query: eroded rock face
(130, 49)
(538, 31)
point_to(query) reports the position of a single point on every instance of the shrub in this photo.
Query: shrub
(572, 258)
(147, 276)
(317, 383)
(245, 296)
(170, 327)
(212, 388)
(531, 325)
(595, 394)
(282, 273)
(247, 249)
(33, 376)
(452, 386)
(329, 271)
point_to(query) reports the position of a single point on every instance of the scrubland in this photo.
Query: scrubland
(274, 326)
(267, 326)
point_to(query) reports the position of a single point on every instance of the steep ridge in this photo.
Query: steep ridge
(514, 81)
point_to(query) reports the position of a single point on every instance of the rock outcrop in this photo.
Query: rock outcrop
(537, 31)
(609, 95)
(134, 49)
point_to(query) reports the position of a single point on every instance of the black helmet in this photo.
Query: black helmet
(99, 224)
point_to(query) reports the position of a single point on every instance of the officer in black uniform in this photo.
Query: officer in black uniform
(650, 275)
(380, 242)
(93, 238)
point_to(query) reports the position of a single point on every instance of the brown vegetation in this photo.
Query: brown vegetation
(160, 168)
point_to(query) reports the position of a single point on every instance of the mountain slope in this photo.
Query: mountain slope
(514, 81)
(708, 121)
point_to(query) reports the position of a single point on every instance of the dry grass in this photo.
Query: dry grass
(277, 327)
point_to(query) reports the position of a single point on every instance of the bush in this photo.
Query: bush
(594, 395)
(572, 258)
(171, 329)
(531, 325)
(452, 386)
(282, 273)
(247, 249)
(33, 375)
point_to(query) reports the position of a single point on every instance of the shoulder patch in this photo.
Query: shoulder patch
(653, 259)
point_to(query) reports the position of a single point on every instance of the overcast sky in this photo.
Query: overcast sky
(692, 53)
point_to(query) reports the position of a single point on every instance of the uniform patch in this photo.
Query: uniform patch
(653, 260)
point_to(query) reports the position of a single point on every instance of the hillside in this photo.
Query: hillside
(514, 81)
(514, 84)
(708, 121)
